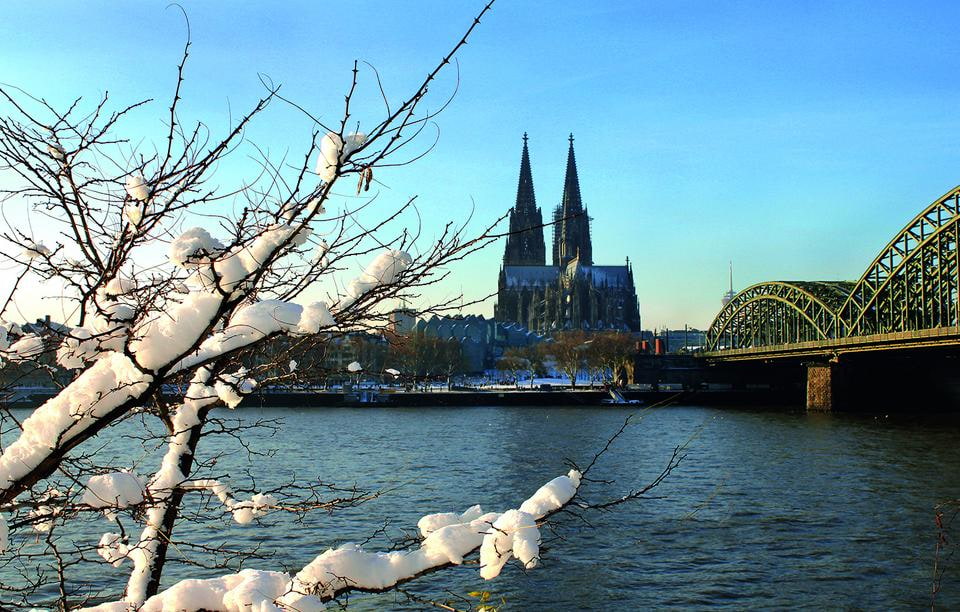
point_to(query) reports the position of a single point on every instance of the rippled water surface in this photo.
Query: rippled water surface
(770, 509)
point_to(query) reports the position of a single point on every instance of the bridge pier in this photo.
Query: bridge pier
(822, 385)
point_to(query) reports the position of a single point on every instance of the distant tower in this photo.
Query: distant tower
(402, 320)
(574, 221)
(729, 294)
(525, 246)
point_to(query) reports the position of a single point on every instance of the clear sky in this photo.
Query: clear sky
(793, 138)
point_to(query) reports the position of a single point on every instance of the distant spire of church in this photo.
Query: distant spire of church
(525, 245)
(575, 233)
(526, 200)
(571, 185)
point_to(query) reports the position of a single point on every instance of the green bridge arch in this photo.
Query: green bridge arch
(911, 285)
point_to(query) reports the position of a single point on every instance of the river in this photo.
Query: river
(769, 509)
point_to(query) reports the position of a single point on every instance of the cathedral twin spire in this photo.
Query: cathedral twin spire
(525, 246)
(571, 229)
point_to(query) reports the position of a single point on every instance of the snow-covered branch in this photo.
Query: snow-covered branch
(447, 538)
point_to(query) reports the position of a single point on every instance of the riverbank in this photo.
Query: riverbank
(496, 397)
(532, 398)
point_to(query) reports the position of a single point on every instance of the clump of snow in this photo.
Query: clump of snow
(137, 187)
(452, 542)
(192, 246)
(28, 347)
(114, 490)
(246, 591)
(432, 522)
(134, 213)
(227, 271)
(392, 371)
(448, 538)
(113, 548)
(515, 533)
(119, 285)
(56, 152)
(170, 334)
(385, 269)
(231, 388)
(32, 250)
(315, 317)
(354, 366)
(293, 366)
(334, 151)
(244, 512)
(552, 495)
(111, 381)
(77, 348)
(107, 330)
(288, 211)
(42, 517)
(350, 565)
(108, 383)
(315, 206)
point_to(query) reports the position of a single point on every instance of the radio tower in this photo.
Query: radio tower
(729, 294)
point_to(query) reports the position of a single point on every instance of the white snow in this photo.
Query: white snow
(134, 213)
(552, 495)
(333, 151)
(26, 348)
(56, 152)
(514, 533)
(114, 490)
(315, 206)
(315, 316)
(249, 590)
(164, 481)
(354, 366)
(113, 548)
(385, 269)
(45, 514)
(244, 512)
(433, 522)
(108, 383)
(448, 538)
(192, 246)
(119, 286)
(107, 330)
(32, 250)
(137, 187)
(167, 335)
(231, 388)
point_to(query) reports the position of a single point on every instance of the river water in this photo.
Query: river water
(769, 509)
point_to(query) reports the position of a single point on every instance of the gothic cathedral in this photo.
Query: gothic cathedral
(573, 293)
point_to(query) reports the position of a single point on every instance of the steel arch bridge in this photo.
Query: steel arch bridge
(911, 286)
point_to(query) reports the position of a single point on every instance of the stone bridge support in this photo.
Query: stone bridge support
(822, 385)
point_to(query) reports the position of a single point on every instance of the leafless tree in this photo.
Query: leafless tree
(180, 291)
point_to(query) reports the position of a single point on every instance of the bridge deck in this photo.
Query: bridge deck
(940, 336)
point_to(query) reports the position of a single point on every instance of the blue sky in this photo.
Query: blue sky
(793, 138)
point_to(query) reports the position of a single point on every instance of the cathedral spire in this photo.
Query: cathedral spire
(525, 246)
(572, 204)
(526, 200)
(575, 233)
